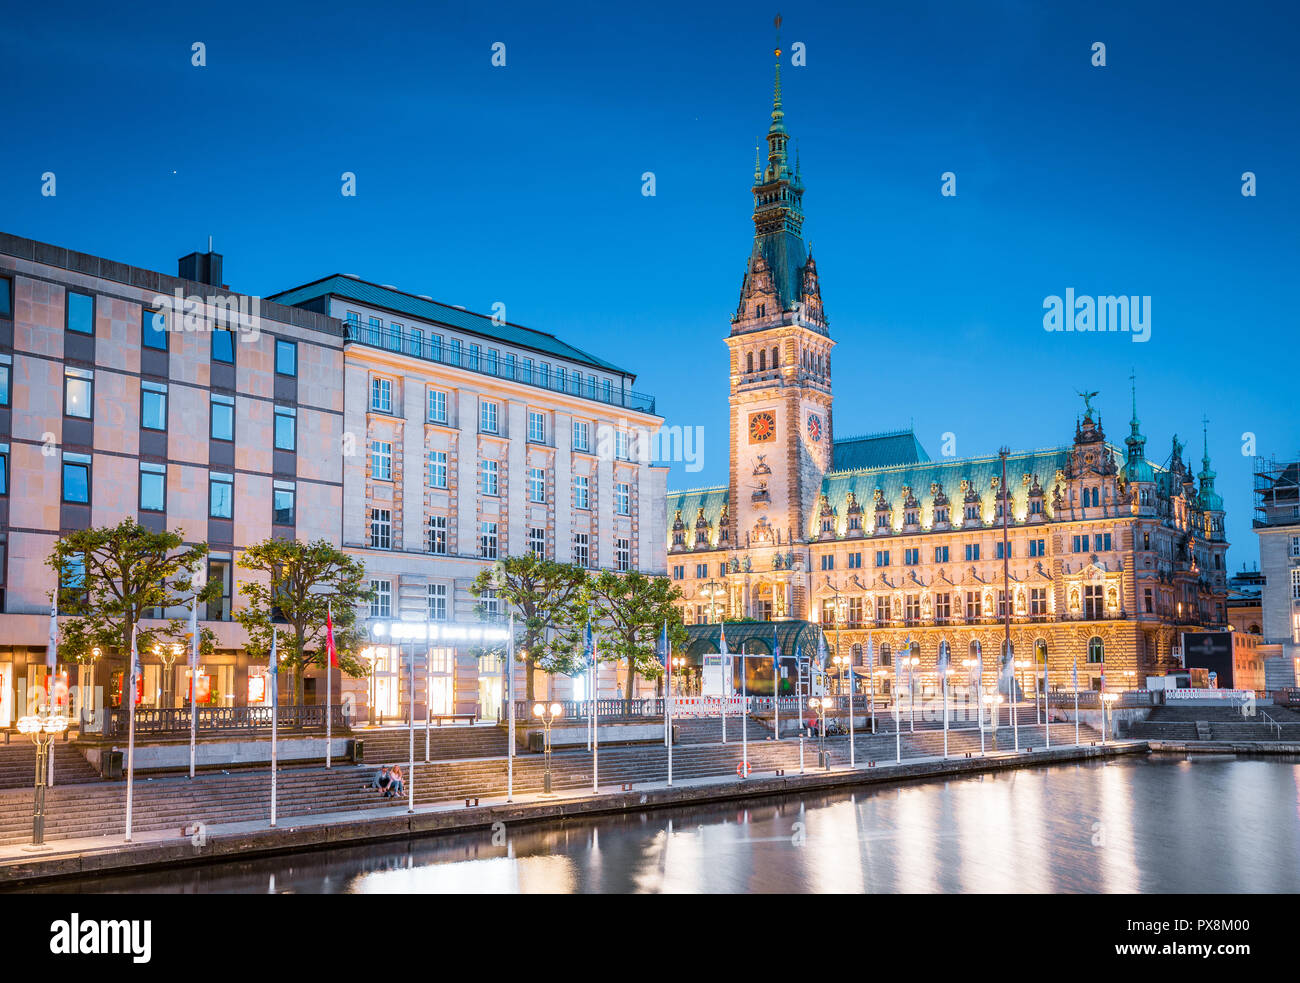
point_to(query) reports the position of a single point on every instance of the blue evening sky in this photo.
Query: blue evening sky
(522, 185)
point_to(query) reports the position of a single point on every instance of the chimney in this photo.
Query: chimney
(202, 267)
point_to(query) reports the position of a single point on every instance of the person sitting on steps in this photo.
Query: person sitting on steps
(381, 780)
(396, 785)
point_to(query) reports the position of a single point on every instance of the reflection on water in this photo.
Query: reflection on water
(1205, 824)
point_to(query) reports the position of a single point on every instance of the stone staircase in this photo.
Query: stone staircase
(18, 764)
(1174, 723)
(391, 745)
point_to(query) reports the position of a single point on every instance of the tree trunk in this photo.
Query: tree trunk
(530, 687)
(630, 690)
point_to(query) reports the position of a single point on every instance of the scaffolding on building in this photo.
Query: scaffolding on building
(1277, 491)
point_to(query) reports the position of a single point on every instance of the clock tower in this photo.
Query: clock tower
(780, 354)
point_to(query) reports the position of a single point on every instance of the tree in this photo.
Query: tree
(112, 578)
(631, 609)
(546, 598)
(301, 581)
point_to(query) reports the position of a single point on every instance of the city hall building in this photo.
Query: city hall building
(1111, 556)
(425, 440)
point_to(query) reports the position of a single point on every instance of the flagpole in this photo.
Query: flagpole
(776, 685)
(871, 680)
(329, 686)
(798, 668)
(744, 719)
(728, 682)
(130, 739)
(668, 704)
(1076, 700)
(273, 681)
(410, 727)
(428, 686)
(194, 673)
(595, 710)
(853, 734)
(510, 711)
(898, 723)
(1047, 709)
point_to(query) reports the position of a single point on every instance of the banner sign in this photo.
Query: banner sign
(706, 706)
(1228, 695)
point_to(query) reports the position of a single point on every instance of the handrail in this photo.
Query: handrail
(176, 720)
(415, 342)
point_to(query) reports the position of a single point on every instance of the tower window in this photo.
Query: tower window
(775, 359)
(760, 310)
(749, 362)
(762, 360)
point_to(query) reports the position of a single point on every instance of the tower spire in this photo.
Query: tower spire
(1136, 467)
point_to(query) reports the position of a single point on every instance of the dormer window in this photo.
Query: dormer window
(760, 310)
(941, 515)
(911, 517)
(972, 511)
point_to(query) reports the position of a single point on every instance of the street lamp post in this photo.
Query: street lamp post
(1107, 700)
(970, 665)
(42, 728)
(547, 714)
(912, 663)
(994, 702)
(818, 706)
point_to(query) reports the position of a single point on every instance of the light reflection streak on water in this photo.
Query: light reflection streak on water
(1217, 823)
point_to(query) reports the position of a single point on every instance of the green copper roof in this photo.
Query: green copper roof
(399, 302)
(948, 475)
(690, 502)
(877, 450)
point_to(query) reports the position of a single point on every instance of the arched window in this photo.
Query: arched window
(749, 362)
(1096, 650)
(857, 654)
(886, 656)
(974, 648)
(776, 361)
(762, 360)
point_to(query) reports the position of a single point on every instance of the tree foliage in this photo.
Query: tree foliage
(112, 578)
(300, 581)
(547, 600)
(629, 611)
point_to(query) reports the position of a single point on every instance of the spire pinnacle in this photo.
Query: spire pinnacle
(778, 115)
(1205, 441)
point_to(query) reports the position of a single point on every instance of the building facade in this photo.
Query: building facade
(114, 405)
(1110, 557)
(423, 439)
(1277, 524)
(469, 440)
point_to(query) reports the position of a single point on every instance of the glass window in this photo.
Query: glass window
(153, 487)
(536, 485)
(622, 555)
(381, 604)
(487, 416)
(81, 313)
(153, 329)
(381, 460)
(437, 602)
(78, 393)
(286, 428)
(76, 478)
(437, 406)
(437, 469)
(286, 357)
(537, 541)
(581, 435)
(381, 529)
(221, 495)
(490, 471)
(438, 534)
(474, 356)
(282, 504)
(381, 395)
(223, 417)
(6, 365)
(223, 346)
(623, 498)
(4, 474)
(487, 547)
(1096, 650)
(536, 426)
(581, 492)
(153, 406)
(6, 297)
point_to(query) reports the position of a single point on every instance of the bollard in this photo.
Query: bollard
(471, 802)
(626, 787)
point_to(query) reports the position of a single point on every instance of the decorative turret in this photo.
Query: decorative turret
(1211, 501)
(1136, 466)
(780, 276)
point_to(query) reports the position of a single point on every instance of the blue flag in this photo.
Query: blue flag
(821, 650)
(776, 654)
(664, 650)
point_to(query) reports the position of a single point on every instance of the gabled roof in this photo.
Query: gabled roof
(400, 302)
(877, 450)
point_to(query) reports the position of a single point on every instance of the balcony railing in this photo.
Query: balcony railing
(175, 721)
(417, 343)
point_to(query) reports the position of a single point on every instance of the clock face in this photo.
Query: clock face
(762, 428)
(814, 426)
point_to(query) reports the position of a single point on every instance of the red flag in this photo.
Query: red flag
(329, 636)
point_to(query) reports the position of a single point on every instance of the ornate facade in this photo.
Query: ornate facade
(1110, 558)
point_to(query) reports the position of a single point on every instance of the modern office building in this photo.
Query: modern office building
(116, 401)
(1277, 524)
